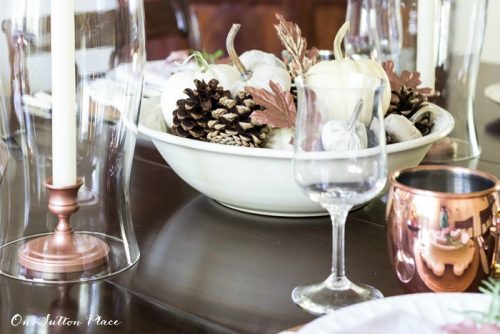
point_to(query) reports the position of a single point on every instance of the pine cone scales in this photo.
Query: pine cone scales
(232, 125)
(192, 114)
(406, 101)
(211, 114)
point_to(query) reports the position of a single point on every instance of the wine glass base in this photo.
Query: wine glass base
(320, 298)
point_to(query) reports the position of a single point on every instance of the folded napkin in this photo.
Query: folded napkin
(156, 73)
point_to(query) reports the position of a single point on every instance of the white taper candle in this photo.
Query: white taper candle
(426, 53)
(63, 92)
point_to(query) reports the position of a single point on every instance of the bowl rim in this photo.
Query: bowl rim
(168, 138)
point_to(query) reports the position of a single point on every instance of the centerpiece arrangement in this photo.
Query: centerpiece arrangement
(224, 128)
(252, 103)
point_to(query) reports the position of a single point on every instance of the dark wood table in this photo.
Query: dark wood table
(208, 269)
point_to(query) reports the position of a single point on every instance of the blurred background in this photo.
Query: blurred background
(203, 24)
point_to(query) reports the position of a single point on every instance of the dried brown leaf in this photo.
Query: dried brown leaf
(312, 140)
(407, 79)
(280, 110)
(313, 53)
(291, 38)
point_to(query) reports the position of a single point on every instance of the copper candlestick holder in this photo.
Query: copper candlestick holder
(63, 251)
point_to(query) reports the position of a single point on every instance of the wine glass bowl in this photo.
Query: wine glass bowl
(339, 161)
(340, 164)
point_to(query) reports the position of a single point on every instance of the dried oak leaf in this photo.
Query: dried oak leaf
(290, 35)
(280, 110)
(313, 54)
(407, 79)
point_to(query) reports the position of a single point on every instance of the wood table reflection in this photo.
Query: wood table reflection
(205, 268)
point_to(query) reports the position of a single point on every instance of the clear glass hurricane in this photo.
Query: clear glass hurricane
(339, 161)
(89, 54)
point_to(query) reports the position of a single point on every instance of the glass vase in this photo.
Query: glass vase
(389, 30)
(109, 55)
(443, 39)
(361, 42)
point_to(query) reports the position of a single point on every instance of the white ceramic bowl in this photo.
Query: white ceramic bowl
(259, 180)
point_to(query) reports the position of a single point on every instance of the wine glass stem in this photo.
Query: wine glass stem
(338, 214)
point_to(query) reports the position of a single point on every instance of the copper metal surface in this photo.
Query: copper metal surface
(442, 237)
(63, 251)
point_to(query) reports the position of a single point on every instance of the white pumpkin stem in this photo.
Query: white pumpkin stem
(201, 62)
(245, 74)
(355, 115)
(337, 43)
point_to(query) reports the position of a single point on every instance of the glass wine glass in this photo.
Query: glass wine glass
(339, 161)
(361, 42)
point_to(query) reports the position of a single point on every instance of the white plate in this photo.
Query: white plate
(493, 92)
(156, 74)
(429, 309)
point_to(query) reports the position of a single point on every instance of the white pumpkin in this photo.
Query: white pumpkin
(343, 66)
(336, 137)
(400, 128)
(341, 135)
(280, 139)
(253, 58)
(173, 89)
(256, 68)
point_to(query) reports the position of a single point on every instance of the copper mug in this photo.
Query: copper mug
(441, 227)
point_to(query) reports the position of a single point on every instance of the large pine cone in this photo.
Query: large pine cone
(406, 101)
(231, 123)
(192, 114)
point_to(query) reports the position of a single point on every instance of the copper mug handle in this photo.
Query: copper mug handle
(496, 231)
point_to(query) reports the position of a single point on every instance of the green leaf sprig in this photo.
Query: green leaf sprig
(211, 58)
(491, 287)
